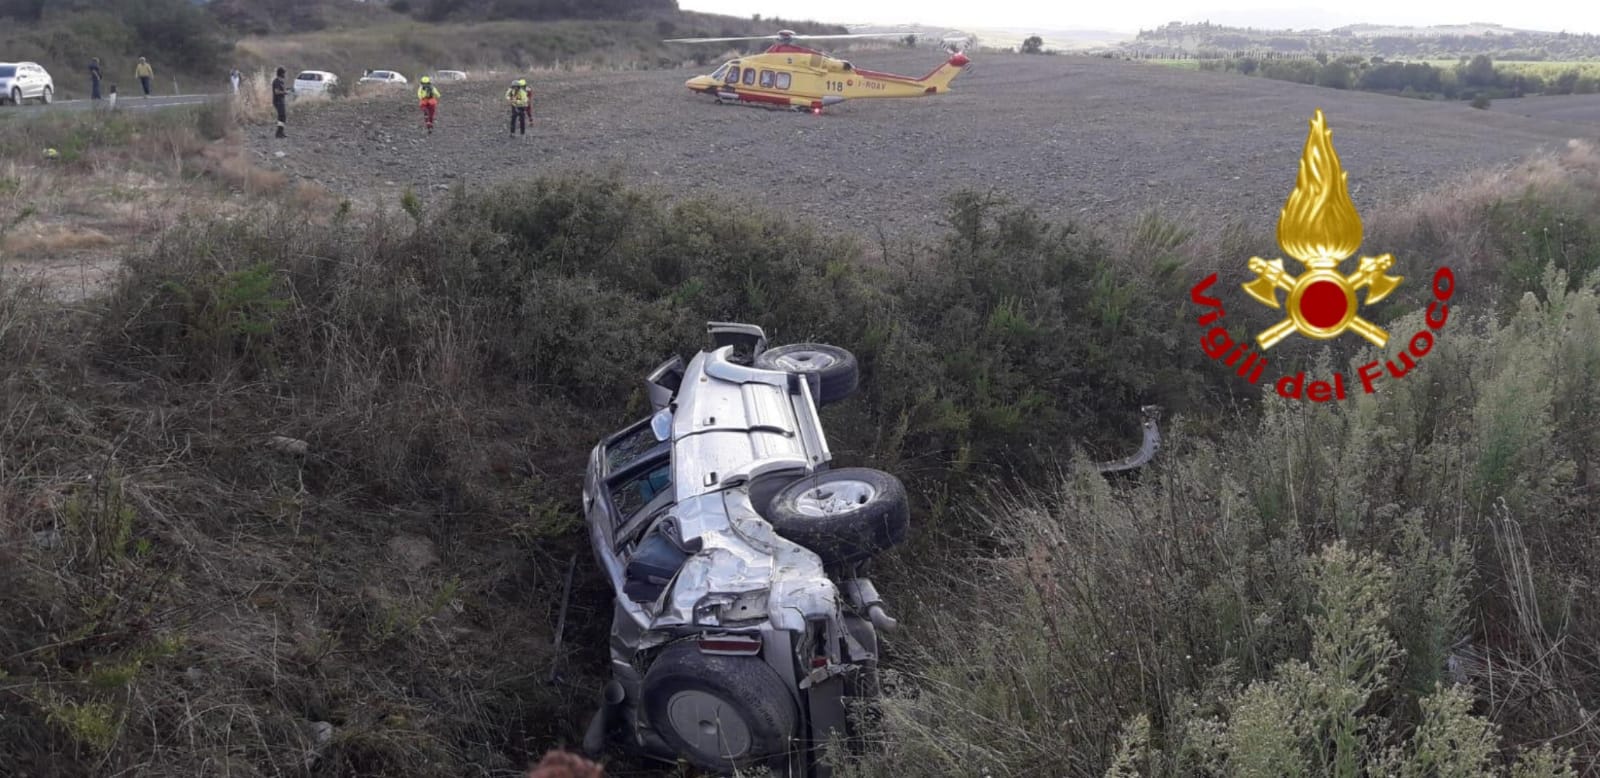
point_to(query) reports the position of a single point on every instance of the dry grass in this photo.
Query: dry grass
(1453, 219)
(190, 597)
(68, 222)
(53, 240)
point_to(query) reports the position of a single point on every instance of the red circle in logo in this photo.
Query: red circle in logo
(850, 82)
(1323, 304)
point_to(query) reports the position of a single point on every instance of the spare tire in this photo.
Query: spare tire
(845, 516)
(723, 713)
(831, 370)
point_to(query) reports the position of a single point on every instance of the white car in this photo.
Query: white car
(314, 82)
(383, 77)
(450, 75)
(25, 81)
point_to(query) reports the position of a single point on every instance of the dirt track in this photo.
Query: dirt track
(1087, 137)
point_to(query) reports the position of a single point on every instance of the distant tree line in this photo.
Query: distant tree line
(1505, 45)
(1471, 79)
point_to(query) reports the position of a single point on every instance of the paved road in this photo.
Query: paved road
(124, 102)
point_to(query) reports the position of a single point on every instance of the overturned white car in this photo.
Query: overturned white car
(744, 619)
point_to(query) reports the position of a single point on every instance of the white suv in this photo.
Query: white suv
(25, 81)
(314, 82)
(744, 620)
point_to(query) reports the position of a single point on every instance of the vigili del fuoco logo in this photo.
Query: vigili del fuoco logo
(1319, 228)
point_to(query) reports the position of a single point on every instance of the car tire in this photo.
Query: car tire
(722, 713)
(16, 97)
(844, 516)
(48, 96)
(832, 371)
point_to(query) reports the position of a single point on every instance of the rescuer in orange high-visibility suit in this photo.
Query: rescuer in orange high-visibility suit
(428, 99)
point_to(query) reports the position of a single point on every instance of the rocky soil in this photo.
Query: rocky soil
(1078, 137)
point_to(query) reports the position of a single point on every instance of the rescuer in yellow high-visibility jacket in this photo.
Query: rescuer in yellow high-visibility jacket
(521, 101)
(428, 99)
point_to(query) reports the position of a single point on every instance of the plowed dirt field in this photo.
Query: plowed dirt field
(1081, 137)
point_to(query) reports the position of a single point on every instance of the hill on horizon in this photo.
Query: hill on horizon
(1448, 41)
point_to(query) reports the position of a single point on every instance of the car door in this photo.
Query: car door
(628, 472)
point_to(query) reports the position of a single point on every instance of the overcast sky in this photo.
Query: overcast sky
(1552, 15)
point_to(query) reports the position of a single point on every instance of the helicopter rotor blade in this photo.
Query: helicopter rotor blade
(719, 40)
(853, 35)
(791, 37)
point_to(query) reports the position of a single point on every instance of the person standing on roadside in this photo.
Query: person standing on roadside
(234, 78)
(94, 78)
(145, 73)
(520, 99)
(280, 101)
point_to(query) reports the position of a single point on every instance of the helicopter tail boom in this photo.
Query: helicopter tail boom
(937, 81)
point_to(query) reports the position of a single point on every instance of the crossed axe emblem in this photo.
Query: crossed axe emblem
(1322, 301)
(1320, 228)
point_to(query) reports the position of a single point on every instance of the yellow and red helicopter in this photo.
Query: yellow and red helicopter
(802, 79)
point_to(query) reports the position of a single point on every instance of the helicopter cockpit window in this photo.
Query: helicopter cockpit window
(720, 72)
(783, 79)
(733, 74)
(749, 76)
(766, 79)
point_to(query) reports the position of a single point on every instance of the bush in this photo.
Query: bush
(1291, 584)
(1337, 75)
(1180, 614)
(1480, 101)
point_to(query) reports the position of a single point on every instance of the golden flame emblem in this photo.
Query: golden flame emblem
(1320, 228)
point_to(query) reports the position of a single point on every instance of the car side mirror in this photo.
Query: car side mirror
(661, 424)
(663, 382)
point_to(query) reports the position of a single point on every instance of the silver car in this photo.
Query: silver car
(743, 621)
(21, 81)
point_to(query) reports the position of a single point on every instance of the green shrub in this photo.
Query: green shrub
(1290, 587)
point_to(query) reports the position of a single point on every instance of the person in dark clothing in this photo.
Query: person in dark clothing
(280, 101)
(94, 78)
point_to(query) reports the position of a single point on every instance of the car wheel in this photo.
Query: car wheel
(48, 97)
(722, 713)
(16, 97)
(844, 516)
(832, 371)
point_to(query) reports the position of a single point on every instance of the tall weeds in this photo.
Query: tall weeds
(302, 493)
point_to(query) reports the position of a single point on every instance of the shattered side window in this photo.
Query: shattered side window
(626, 450)
(635, 493)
